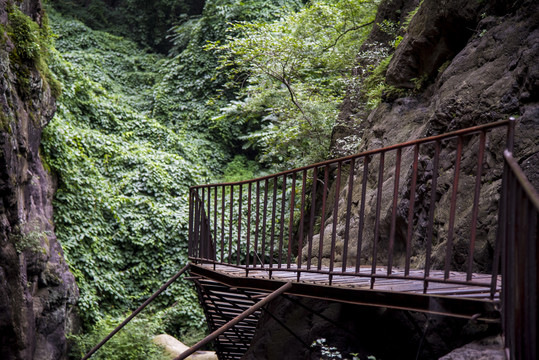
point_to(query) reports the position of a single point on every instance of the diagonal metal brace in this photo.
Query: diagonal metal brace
(134, 313)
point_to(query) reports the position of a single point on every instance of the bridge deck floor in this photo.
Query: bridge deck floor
(396, 283)
(453, 299)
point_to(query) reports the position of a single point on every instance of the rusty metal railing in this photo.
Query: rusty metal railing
(375, 223)
(519, 226)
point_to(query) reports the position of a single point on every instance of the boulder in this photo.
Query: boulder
(174, 348)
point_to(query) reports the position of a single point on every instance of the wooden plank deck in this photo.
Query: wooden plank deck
(397, 282)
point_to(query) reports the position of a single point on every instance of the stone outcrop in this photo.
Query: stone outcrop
(37, 291)
(490, 348)
(353, 329)
(174, 347)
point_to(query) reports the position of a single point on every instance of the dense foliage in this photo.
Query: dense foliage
(296, 71)
(31, 47)
(134, 342)
(145, 22)
(247, 87)
(120, 209)
(194, 90)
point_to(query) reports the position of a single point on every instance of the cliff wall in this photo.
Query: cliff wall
(37, 290)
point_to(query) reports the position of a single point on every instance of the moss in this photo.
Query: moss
(411, 15)
(28, 237)
(4, 122)
(443, 67)
(32, 44)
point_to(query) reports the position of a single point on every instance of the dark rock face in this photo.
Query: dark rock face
(437, 35)
(493, 76)
(37, 290)
(349, 126)
(491, 348)
(289, 327)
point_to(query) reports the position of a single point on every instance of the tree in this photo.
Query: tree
(304, 57)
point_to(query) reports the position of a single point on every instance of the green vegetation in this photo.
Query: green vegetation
(331, 352)
(295, 70)
(194, 90)
(247, 87)
(134, 342)
(28, 237)
(32, 45)
(145, 22)
(120, 209)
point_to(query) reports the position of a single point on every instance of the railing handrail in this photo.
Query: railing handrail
(449, 135)
(300, 245)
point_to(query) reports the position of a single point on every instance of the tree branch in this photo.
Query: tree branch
(346, 32)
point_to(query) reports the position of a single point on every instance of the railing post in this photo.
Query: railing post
(190, 235)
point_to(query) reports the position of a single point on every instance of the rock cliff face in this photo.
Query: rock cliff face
(36, 288)
(460, 63)
(470, 63)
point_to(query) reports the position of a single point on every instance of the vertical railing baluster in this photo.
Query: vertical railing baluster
(249, 190)
(240, 202)
(202, 227)
(323, 217)
(411, 212)
(257, 222)
(524, 284)
(273, 214)
(264, 223)
(348, 215)
(291, 220)
(394, 211)
(453, 208)
(311, 220)
(196, 244)
(501, 233)
(281, 230)
(230, 223)
(430, 228)
(222, 224)
(510, 273)
(475, 209)
(366, 161)
(191, 219)
(301, 221)
(215, 225)
(335, 218)
(532, 226)
(208, 231)
(377, 218)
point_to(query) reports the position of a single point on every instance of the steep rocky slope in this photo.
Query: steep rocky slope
(460, 63)
(470, 63)
(36, 288)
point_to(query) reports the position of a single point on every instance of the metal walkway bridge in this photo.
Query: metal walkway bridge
(399, 227)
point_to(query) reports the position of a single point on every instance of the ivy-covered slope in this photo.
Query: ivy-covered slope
(120, 207)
